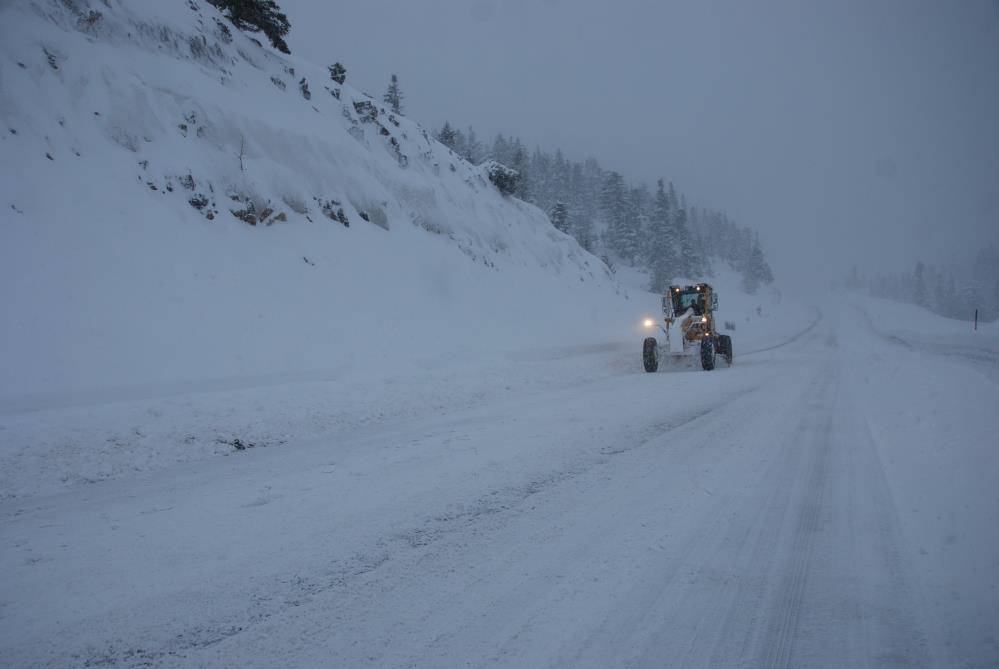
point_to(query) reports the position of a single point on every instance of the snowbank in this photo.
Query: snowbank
(930, 383)
(916, 323)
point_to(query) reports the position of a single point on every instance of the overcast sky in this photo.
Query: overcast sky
(845, 131)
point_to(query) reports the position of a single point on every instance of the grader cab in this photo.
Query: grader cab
(692, 310)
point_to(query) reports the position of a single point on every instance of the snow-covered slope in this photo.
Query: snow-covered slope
(145, 325)
(131, 133)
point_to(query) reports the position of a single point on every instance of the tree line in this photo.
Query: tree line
(938, 289)
(623, 222)
(653, 229)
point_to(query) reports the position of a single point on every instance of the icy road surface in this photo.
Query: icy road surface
(828, 502)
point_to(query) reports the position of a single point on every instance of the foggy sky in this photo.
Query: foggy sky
(858, 131)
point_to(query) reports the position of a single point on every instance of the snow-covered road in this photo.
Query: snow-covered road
(827, 502)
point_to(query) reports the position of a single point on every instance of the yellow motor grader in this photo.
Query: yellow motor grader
(692, 307)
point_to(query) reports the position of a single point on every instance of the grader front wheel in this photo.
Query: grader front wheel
(650, 354)
(707, 354)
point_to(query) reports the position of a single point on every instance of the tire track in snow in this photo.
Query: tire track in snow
(818, 319)
(742, 630)
(755, 622)
(783, 628)
(744, 592)
(486, 513)
(491, 519)
(672, 615)
(620, 631)
(898, 639)
(772, 585)
(842, 582)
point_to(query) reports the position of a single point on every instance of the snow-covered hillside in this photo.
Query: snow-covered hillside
(145, 324)
(134, 132)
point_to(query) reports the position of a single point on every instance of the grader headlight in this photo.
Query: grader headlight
(648, 323)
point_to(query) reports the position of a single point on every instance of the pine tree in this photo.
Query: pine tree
(460, 145)
(766, 273)
(689, 262)
(582, 230)
(501, 151)
(750, 282)
(941, 302)
(560, 217)
(393, 95)
(742, 248)
(560, 177)
(986, 274)
(662, 255)
(612, 201)
(589, 187)
(473, 147)
(520, 163)
(682, 250)
(953, 307)
(920, 294)
(447, 135)
(541, 180)
(257, 16)
(757, 271)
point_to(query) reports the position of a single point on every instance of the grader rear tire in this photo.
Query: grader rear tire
(650, 354)
(725, 348)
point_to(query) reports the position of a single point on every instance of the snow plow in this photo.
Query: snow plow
(692, 308)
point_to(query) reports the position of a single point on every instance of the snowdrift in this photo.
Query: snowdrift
(180, 203)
